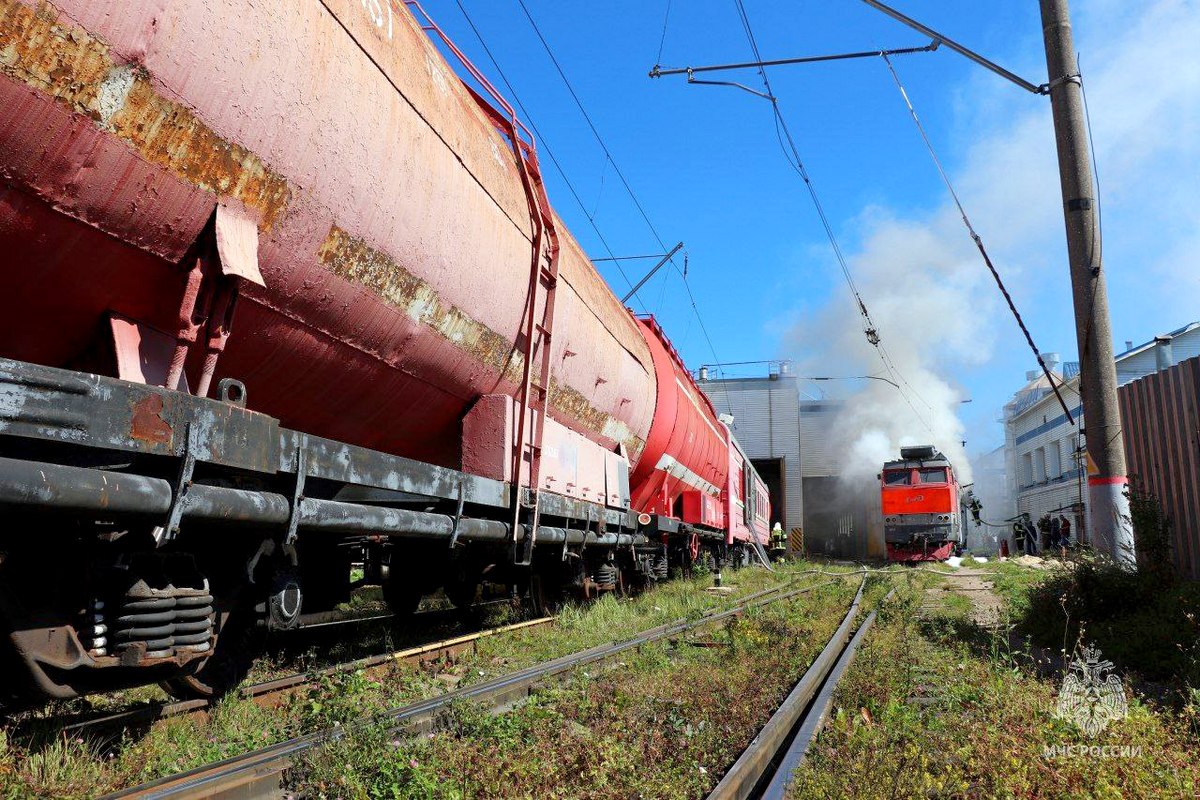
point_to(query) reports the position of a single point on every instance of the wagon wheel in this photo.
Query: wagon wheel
(402, 596)
(544, 598)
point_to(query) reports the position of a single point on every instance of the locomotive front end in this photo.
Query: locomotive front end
(919, 494)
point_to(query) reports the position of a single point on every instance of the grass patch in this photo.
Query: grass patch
(1144, 622)
(1013, 583)
(44, 763)
(956, 606)
(941, 707)
(664, 723)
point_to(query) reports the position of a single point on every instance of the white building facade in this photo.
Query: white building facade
(1044, 451)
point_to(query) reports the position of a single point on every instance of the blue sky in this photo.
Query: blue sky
(707, 168)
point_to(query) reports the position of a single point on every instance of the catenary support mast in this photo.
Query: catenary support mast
(1110, 524)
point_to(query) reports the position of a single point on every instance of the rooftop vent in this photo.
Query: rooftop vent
(1164, 358)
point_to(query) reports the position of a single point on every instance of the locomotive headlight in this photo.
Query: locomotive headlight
(643, 519)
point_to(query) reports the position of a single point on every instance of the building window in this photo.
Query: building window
(1026, 469)
(1039, 465)
(1054, 460)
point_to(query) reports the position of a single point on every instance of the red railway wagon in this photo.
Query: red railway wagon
(277, 286)
(922, 519)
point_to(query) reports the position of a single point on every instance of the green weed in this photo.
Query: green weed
(940, 707)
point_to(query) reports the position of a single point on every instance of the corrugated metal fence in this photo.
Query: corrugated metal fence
(1162, 445)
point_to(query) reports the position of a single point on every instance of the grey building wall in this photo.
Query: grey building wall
(822, 459)
(766, 422)
(842, 517)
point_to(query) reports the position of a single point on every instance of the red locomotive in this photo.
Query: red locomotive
(250, 316)
(920, 499)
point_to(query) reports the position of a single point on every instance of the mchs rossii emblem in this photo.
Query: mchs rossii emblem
(1091, 696)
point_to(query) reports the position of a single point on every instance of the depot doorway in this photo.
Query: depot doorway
(772, 474)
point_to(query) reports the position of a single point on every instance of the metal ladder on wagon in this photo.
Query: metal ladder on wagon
(533, 396)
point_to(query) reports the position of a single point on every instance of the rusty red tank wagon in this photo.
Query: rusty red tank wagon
(278, 283)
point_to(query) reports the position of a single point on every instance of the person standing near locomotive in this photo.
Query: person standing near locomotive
(1018, 534)
(1031, 535)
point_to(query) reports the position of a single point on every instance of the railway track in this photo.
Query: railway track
(268, 691)
(258, 774)
(764, 769)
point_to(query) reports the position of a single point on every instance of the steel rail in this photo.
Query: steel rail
(764, 768)
(420, 653)
(815, 719)
(266, 764)
(332, 619)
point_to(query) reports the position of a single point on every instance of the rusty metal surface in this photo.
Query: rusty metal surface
(105, 414)
(1160, 419)
(394, 236)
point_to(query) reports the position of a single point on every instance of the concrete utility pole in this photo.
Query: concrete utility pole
(1109, 522)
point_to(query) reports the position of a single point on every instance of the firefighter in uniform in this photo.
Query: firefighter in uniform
(778, 542)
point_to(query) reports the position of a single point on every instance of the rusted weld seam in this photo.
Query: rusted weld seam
(71, 66)
(354, 260)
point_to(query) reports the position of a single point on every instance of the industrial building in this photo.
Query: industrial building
(765, 414)
(786, 432)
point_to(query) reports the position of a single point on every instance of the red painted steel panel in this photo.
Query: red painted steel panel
(759, 525)
(702, 509)
(687, 447)
(393, 231)
(919, 500)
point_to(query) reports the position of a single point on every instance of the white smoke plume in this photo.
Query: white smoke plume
(936, 306)
(930, 304)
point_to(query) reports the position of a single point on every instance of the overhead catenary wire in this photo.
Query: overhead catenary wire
(545, 147)
(663, 39)
(625, 182)
(792, 155)
(1012, 306)
(588, 119)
